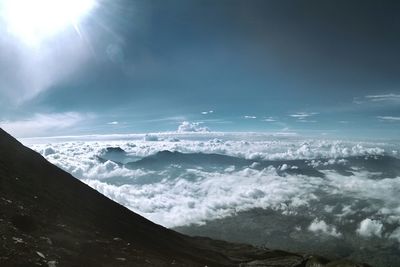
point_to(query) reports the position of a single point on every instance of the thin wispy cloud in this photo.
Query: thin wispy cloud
(307, 121)
(113, 123)
(221, 121)
(269, 119)
(249, 117)
(168, 119)
(388, 118)
(393, 98)
(43, 124)
(207, 112)
(383, 97)
(303, 115)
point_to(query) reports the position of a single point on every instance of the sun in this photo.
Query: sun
(34, 21)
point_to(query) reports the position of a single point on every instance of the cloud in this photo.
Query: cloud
(303, 115)
(395, 234)
(167, 119)
(191, 127)
(383, 97)
(320, 226)
(369, 228)
(176, 196)
(269, 119)
(207, 112)
(393, 98)
(219, 121)
(43, 124)
(181, 201)
(249, 117)
(307, 121)
(276, 146)
(113, 123)
(389, 118)
(150, 137)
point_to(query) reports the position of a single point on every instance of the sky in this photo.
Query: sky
(320, 68)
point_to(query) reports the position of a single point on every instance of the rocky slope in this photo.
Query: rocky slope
(49, 218)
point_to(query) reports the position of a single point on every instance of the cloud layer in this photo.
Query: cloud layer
(176, 196)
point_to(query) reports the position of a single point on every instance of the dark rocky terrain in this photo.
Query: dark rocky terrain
(49, 218)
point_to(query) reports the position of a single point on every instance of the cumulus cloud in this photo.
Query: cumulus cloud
(320, 226)
(191, 127)
(174, 196)
(369, 228)
(181, 201)
(43, 124)
(245, 145)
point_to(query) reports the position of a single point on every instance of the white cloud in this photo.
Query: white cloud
(383, 97)
(256, 145)
(191, 127)
(177, 196)
(249, 117)
(303, 115)
(207, 112)
(389, 118)
(269, 119)
(307, 121)
(369, 228)
(150, 137)
(320, 226)
(180, 201)
(43, 124)
(168, 119)
(388, 98)
(113, 123)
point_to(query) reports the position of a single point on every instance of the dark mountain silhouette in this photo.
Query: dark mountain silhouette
(49, 218)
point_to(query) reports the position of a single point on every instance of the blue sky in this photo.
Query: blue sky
(311, 67)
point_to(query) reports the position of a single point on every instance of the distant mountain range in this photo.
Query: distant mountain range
(386, 166)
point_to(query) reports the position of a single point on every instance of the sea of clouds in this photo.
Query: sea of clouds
(177, 196)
